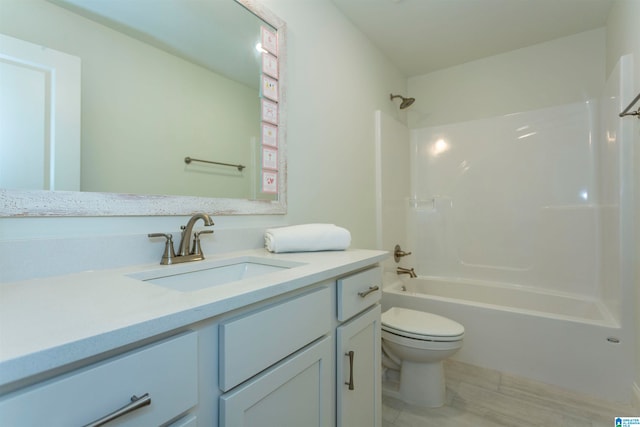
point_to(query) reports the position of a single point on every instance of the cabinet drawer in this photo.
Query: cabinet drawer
(188, 421)
(167, 371)
(358, 291)
(295, 392)
(251, 343)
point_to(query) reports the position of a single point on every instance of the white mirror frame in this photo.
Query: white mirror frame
(39, 203)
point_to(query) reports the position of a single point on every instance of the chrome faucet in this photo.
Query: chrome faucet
(184, 254)
(409, 271)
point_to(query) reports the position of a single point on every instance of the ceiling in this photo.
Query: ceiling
(421, 36)
(186, 28)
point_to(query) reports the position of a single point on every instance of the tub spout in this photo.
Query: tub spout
(409, 271)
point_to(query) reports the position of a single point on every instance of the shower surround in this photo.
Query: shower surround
(532, 202)
(510, 199)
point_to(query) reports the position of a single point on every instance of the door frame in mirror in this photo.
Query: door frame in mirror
(40, 203)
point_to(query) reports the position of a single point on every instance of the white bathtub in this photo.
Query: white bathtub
(554, 338)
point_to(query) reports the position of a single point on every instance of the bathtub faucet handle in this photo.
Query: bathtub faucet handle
(399, 253)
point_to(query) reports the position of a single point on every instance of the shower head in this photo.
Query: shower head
(406, 102)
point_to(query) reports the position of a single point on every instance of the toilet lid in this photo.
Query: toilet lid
(419, 324)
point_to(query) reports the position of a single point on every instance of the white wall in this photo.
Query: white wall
(531, 78)
(336, 82)
(394, 187)
(623, 37)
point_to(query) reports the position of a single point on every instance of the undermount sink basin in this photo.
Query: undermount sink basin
(203, 274)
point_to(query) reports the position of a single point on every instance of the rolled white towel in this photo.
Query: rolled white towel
(307, 238)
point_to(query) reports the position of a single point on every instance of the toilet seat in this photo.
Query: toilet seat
(422, 326)
(422, 345)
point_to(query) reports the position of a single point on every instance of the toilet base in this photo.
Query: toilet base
(423, 384)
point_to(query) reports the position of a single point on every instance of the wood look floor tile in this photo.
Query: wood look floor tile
(478, 397)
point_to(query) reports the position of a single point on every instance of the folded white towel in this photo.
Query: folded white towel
(307, 238)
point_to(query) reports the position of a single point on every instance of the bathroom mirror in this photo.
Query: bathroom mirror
(133, 192)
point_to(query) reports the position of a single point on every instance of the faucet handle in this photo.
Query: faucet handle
(196, 248)
(399, 253)
(169, 254)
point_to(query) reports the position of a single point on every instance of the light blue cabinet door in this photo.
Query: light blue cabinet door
(295, 392)
(358, 371)
(166, 371)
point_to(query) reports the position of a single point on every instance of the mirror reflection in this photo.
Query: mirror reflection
(160, 81)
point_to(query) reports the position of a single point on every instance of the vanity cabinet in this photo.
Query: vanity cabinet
(187, 421)
(278, 361)
(276, 364)
(252, 342)
(332, 381)
(162, 376)
(358, 385)
(358, 371)
(359, 291)
(295, 392)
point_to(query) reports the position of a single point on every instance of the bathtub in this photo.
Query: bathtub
(555, 338)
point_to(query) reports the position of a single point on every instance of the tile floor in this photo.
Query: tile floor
(478, 397)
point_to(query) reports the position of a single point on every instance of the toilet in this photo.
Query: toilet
(417, 343)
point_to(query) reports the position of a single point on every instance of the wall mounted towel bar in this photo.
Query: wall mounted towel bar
(188, 160)
(626, 111)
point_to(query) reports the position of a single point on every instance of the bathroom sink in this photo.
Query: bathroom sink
(197, 275)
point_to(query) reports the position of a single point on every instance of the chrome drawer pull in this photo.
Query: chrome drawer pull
(351, 355)
(368, 291)
(136, 403)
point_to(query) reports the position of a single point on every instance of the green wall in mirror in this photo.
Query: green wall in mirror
(145, 107)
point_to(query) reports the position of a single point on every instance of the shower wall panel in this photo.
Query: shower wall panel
(510, 199)
(615, 179)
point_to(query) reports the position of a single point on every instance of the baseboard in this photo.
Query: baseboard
(636, 397)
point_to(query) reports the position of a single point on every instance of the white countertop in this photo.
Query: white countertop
(51, 322)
